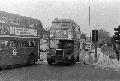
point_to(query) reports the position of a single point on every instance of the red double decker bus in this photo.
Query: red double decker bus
(19, 41)
(64, 42)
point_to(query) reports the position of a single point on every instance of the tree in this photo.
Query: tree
(103, 34)
(104, 37)
(83, 36)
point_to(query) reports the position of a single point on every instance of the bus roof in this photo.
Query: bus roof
(62, 21)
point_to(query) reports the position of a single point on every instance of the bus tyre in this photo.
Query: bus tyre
(31, 59)
(50, 61)
(72, 61)
(77, 59)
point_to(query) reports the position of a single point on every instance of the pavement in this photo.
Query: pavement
(59, 72)
(103, 60)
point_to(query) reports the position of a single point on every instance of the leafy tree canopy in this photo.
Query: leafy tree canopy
(83, 36)
(104, 37)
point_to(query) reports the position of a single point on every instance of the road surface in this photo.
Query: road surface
(43, 72)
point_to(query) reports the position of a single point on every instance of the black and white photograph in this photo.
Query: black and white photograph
(59, 40)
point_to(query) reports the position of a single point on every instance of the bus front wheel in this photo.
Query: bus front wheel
(72, 61)
(50, 61)
(31, 59)
(77, 59)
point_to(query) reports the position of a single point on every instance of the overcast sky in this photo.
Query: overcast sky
(104, 13)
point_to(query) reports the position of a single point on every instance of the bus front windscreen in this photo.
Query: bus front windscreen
(61, 44)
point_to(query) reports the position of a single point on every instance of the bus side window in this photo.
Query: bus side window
(21, 44)
(12, 44)
(3, 44)
(32, 43)
(25, 44)
(18, 43)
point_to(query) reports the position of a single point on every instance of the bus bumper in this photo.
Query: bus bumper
(60, 59)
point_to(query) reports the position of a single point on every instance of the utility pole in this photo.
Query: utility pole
(90, 51)
(89, 24)
(95, 39)
(117, 40)
(95, 51)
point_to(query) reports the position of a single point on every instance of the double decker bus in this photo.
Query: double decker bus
(19, 43)
(64, 42)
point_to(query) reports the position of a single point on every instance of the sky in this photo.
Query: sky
(104, 14)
